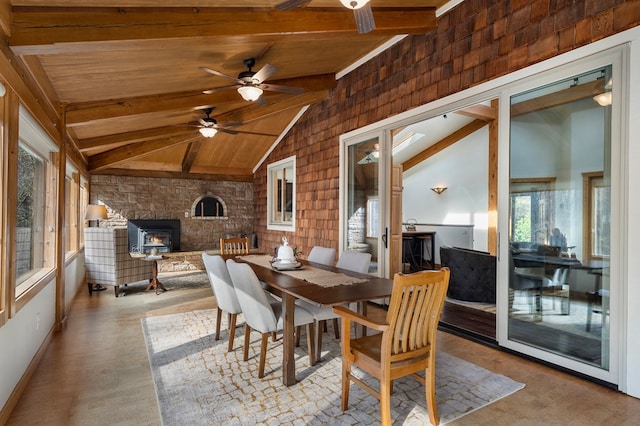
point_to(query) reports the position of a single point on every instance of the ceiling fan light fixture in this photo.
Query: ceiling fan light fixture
(250, 93)
(354, 4)
(208, 132)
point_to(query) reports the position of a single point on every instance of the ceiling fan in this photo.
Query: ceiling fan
(361, 11)
(250, 84)
(209, 127)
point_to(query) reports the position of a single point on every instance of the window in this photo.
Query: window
(531, 211)
(281, 190)
(36, 201)
(71, 212)
(82, 208)
(596, 202)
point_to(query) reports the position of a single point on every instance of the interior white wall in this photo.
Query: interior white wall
(464, 169)
(73, 279)
(22, 336)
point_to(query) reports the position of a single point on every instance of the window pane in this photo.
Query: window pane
(558, 283)
(281, 195)
(31, 214)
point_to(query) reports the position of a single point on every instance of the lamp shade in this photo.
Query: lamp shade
(95, 212)
(208, 132)
(250, 93)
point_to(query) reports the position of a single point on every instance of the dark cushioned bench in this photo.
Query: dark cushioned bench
(473, 274)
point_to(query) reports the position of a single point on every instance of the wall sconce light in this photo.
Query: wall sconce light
(439, 189)
(3, 90)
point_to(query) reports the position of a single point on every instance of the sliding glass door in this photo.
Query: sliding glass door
(560, 221)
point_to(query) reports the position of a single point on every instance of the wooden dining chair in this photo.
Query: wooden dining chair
(263, 315)
(224, 293)
(239, 245)
(405, 344)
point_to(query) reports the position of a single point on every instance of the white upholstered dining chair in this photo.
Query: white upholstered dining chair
(354, 261)
(224, 293)
(322, 255)
(263, 315)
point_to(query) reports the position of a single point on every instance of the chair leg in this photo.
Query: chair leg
(232, 331)
(311, 332)
(90, 288)
(336, 328)
(263, 354)
(218, 320)
(324, 326)
(247, 339)
(385, 402)
(318, 342)
(430, 391)
(298, 332)
(346, 383)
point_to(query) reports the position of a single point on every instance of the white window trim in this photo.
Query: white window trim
(279, 165)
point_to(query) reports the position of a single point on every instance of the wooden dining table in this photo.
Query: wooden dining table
(290, 288)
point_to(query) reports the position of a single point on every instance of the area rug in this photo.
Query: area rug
(199, 383)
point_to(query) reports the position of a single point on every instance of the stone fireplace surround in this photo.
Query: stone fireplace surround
(135, 198)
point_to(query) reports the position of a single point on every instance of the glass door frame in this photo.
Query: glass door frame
(384, 188)
(617, 57)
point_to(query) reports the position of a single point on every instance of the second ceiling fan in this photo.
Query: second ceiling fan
(250, 84)
(361, 10)
(209, 127)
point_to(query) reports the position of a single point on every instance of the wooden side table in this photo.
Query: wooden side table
(154, 283)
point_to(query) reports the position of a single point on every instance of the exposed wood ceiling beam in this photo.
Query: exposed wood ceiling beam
(253, 112)
(574, 93)
(273, 105)
(130, 152)
(232, 175)
(138, 136)
(190, 156)
(82, 113)
(479, 111)
(444, 143)
(35, 30)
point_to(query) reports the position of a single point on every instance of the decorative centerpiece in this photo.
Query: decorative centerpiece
(285, 252)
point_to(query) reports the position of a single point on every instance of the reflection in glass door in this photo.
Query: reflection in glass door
(363, 211)
(559, 224)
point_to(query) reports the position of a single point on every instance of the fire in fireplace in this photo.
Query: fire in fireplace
(161, 235)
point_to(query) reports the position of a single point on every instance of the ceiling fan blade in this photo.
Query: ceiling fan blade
(278, 88)
(203, 122)
(231, 124)
(265, 72)
(364, 19)
(291, 4)
(219, 89)
(219, 74)
(228, 131)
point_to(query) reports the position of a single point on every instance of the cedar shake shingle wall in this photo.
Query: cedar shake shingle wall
(476, 41)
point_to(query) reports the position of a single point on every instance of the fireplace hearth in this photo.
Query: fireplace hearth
(161, 235)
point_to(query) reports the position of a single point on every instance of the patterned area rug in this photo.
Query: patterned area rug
(199, 383)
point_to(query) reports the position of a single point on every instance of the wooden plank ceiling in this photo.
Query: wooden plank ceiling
(127, 73)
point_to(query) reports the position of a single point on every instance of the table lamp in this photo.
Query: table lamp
(95, 212)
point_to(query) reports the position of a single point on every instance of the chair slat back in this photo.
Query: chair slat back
(239, 245)
(414, 311)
